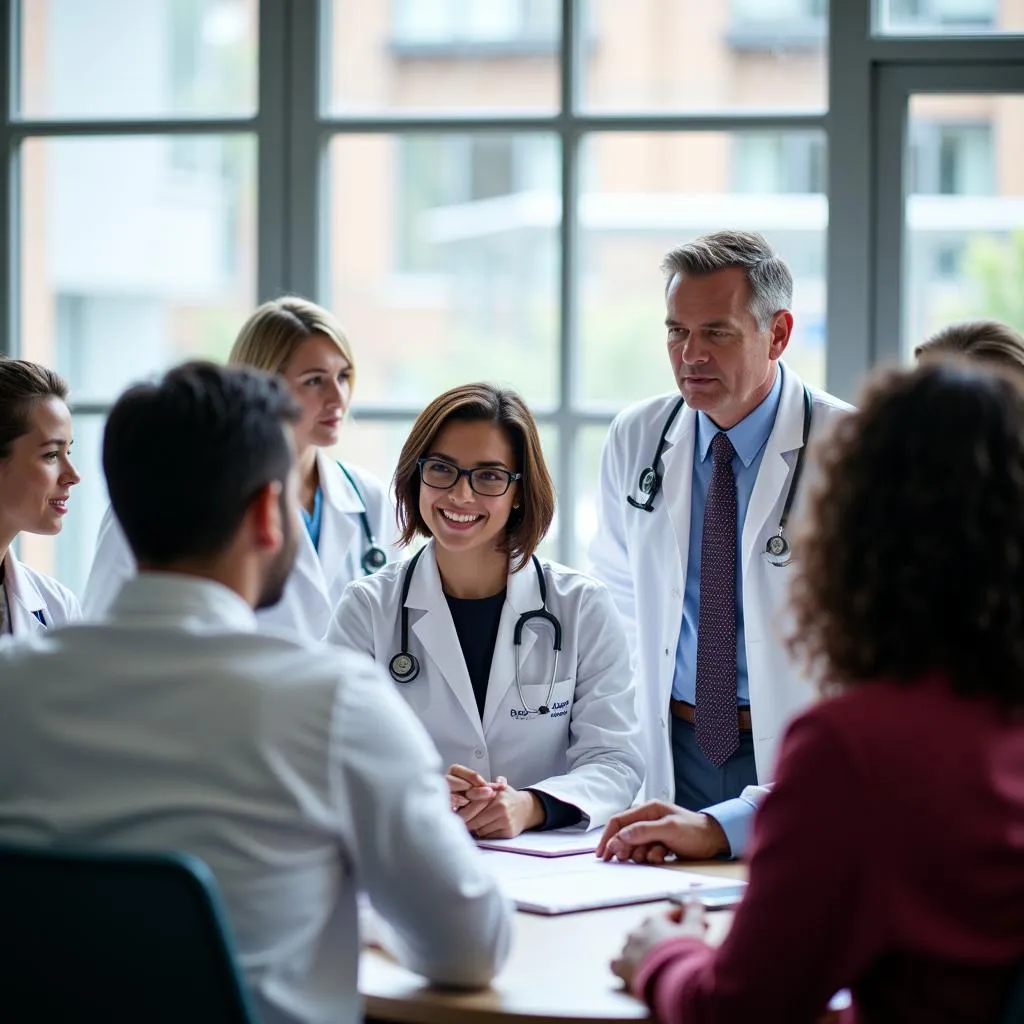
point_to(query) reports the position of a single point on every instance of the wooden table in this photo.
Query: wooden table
(557, 972)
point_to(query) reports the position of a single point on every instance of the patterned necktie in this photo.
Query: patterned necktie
(715, 714)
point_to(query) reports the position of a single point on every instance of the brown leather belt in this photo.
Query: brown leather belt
(688, 713)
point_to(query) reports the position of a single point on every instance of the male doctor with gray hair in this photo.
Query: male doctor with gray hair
(695, 495)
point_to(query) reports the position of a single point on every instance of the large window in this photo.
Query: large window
(137, 241)
(524, 247)
(485, 189)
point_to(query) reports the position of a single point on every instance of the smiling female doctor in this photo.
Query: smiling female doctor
(349, 520)
(517, 667)
(36, 477)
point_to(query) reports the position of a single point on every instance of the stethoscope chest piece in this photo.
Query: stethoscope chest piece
(404, 667)
(778, 551)
(373, 559)
(648, 478)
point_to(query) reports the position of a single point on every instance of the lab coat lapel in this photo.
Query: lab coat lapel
(340, 525)
(307, 573)
(772, 477)
(23, 598)
(435, 630)
(677, 480)
(522, 595)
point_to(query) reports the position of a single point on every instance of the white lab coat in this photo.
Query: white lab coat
(292, 770)
(30, 591)
(584, 752)
(318, 579)
(642, 556)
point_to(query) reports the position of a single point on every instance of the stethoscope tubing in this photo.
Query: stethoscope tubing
(405, 667)
(777, 551)
(374, 557)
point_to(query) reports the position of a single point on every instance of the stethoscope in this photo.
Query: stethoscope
(777, 551)
(374, 557)
(405, 667)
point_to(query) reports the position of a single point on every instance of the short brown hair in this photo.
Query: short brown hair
(527, 525)
(911, 559)
(269, 338)
(22, 384)
(977, 339)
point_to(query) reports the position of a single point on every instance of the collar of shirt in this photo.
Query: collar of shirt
(748, 436)
(313, 517)
(182, 601)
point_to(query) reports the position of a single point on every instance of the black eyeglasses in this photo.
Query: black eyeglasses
(488, 481)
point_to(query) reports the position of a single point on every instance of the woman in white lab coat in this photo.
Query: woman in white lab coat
(540, 733)
(36, 477)
(349, 521)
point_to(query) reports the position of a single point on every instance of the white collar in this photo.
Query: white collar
(177, 599)
(20, 585)
(522, 587)
(337, 488)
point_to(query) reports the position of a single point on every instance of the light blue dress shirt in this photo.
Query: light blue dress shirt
(736, 817)
(315, 518)
(749, 438)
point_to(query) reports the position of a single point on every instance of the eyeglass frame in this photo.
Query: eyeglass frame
(468, 474)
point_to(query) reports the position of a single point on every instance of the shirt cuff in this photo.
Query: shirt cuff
(557, 813)
(735, 816)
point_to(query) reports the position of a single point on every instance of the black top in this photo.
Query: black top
(476, 623)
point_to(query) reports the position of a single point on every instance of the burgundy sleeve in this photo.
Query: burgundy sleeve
(812, 916)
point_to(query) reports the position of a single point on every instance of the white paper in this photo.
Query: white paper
(567, 884)
(557, 843)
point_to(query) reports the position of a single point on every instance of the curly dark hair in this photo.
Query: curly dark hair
(911, 558)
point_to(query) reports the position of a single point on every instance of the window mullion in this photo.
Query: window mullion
(8, 183)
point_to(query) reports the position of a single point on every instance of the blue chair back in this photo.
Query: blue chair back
(115, 937)
(1015, 1011)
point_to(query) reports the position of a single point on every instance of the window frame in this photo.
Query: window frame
(293, 129)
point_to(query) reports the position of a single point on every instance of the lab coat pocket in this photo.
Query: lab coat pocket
(558, 702)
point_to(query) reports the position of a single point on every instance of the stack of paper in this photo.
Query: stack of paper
(565, 885)
(547, 844)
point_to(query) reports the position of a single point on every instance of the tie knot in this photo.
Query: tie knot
(721, 447)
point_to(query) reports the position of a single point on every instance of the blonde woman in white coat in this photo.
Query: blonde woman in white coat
(535, 737)
(349, 521)
(36, 477)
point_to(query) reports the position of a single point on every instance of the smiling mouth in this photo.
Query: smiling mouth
(459, 518)
(60, 504)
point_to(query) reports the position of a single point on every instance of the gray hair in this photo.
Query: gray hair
(771, 283)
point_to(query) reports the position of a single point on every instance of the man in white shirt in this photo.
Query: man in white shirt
(294, 771)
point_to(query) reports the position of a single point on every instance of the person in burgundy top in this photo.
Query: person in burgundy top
(889, 859)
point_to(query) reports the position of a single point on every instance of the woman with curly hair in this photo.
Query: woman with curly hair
(889, 859)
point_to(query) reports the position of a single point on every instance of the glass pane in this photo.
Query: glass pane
(138, 58)
(550, 445)
(644, 194)
(589, 444)
(68, 555)
(373, 445)
(444, 262)
(135, 252)
(695, 55)
(444, 55)
(964, 250)
(948, 17)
